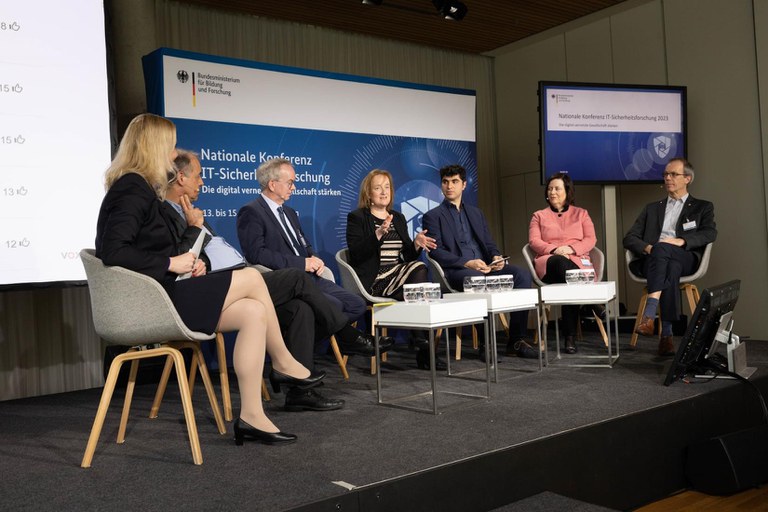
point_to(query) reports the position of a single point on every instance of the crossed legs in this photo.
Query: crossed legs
(248, 310)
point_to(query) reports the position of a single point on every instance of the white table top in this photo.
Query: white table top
(431, 315)
(520, 299)
(602, 291)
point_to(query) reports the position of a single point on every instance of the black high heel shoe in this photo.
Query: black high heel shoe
(276, 378)
(422, 360)
(245, 431)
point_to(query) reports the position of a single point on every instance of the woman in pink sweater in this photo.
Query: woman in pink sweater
(561, 236)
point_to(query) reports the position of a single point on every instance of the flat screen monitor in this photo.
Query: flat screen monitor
(715, 308)
(610, 133)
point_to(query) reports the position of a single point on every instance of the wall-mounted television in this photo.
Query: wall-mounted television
(610, 133)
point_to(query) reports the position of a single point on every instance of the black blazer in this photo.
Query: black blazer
(647, 228)
(263, 239)
(133, 232)
(186, 235)
(365, 248)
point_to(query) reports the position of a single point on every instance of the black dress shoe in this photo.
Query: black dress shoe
(276, 378)
(364, 345)
(422, 360)
(570, 345)
(244, 431)
(310, 400)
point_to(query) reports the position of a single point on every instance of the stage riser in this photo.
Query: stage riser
(620, 464)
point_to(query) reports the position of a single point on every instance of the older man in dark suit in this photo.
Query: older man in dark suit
(669, 237)
(465, 248)
(271, 235)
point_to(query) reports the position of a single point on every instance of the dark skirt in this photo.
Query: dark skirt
(199, 300)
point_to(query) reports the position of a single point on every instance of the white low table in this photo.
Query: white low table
(602, 292)
(503, 302)
(431, 316)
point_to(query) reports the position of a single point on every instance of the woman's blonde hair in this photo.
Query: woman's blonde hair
(365, 189)
(145, 150)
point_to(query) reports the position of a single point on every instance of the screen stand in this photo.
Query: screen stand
(737, 357)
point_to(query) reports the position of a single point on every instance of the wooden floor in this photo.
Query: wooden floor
(692, 501)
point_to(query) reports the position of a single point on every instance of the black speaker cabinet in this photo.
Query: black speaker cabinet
(729, 463)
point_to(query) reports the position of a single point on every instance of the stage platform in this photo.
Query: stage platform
(605, 439)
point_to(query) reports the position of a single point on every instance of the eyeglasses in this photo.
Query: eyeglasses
(290, 183)
(672, 174)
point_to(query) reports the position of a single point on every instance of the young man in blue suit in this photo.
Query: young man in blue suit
(270, 235)
(465, 248)
(669, 237)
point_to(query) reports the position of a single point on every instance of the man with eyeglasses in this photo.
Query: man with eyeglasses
(669, 238)
(270, 234)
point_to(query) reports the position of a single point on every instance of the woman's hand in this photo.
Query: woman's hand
(422, 241)
(564, 250)
(384, 228)
(182, 263)
(199, 269)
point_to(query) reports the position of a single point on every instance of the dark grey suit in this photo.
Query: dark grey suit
(667, 263)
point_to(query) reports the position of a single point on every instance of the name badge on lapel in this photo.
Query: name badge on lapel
(687, 226)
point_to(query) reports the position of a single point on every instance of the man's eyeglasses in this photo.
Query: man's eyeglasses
(672, 174)
(290, 183)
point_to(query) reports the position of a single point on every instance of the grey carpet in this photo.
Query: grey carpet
(43, 438)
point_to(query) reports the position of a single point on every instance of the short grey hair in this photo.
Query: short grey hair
(688, 169)
(184, 159)
(270, 170)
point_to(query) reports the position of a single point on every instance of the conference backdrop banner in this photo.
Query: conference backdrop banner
(333, 128)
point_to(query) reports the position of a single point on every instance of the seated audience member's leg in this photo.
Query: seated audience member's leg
(352, 305)
(556, 267)
(297, 323)
(456, 277)
(663, 269)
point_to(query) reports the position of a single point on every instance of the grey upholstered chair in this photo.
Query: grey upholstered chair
(351, 282)
(686, 285)
(132, 309)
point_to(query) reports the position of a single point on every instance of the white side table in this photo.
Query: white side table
(602, 292)
(503, 302)
(430, 316)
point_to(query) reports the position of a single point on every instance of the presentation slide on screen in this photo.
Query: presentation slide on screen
(333, 128)
(54, 137)
(611, 135)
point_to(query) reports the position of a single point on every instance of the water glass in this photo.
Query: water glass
(493, 284)
(507, 283)
(572, 276)
(431, 292)
(590, 275)
(413, 293)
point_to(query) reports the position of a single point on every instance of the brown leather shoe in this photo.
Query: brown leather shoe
(646, 326)
(666, 347)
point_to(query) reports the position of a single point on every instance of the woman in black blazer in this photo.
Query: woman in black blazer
(133, 232)
(380, 249)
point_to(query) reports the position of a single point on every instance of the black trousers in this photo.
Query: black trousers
(663, 269)
(304, 312)
(556, 267)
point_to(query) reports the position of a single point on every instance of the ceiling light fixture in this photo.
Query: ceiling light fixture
(372, 2)
(450, 9)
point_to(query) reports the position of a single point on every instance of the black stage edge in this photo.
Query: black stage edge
(620, 464)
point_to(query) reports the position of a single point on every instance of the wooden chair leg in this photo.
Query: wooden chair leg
(341, 360)
(638, 317)
(264, 391)
(127, 402)
(226, 398)
(162, 385)
(692, 294)
(458, 344)
(198, 363)
(504, 323)
(189, 412)
(101, 412)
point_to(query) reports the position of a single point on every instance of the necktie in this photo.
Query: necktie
(296, 246)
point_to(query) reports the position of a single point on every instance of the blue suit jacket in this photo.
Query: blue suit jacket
(263, 239)
(440, 225)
